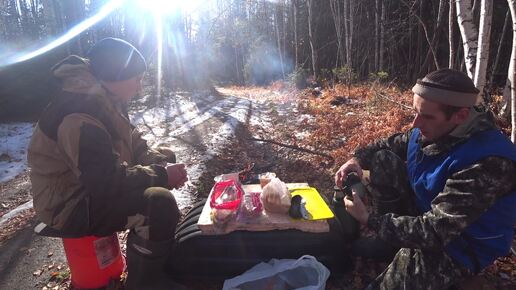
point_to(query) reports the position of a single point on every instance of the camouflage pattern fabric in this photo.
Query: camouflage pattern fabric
(422, 263)
(416, 269)
(388, 186)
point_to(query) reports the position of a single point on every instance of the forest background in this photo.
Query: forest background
(256, 42)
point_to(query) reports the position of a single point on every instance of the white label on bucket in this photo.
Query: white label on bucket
(107, 250)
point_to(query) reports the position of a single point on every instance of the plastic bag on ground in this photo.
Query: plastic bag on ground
(305, 273)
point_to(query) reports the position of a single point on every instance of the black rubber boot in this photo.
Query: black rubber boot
(145, 260)
(349, 225)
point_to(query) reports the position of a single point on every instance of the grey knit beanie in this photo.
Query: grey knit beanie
(113, 59)
(448, 87)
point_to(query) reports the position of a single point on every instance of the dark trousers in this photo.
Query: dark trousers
(154, 208)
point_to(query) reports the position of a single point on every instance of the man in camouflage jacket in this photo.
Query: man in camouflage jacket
(451, 179)
(93, 174)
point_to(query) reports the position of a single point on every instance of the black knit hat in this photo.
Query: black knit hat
(449, 87)
(113, 59)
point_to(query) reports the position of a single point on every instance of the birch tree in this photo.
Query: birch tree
(451, 35)
(506, 102)
(469, 34)
(486, 15)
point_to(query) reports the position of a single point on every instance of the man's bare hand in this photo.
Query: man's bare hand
(350, 166)
(176, 175)
(356, 208)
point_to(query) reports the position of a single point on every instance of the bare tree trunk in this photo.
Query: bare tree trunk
(498, 52)
(382, 36)
(486, 15)
(337, 20)
(423, 27)
(512, 70)
(349, 34)
(237, 67)
(451, 34)
(469, 34)
(311, 36)
(435, 37)
(296, 41)
(410, 29)
(278, 17)
(377, 36)
(50, 18)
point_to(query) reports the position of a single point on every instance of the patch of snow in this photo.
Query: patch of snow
(305, 117)
(15, 211)
(301, 135)
(182, 115)
(14, 142)
(179, 115)
(182, 195)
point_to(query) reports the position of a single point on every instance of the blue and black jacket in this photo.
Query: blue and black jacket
(488, 237)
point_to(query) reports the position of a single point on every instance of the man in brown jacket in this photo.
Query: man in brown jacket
(91, 172)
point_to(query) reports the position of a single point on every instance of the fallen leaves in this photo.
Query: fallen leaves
(57, 277)
(15, 224)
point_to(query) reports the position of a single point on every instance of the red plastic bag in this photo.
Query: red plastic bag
(226, 194)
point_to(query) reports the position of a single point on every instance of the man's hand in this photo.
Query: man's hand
(356, 208)
(350, 166)
(176, 175)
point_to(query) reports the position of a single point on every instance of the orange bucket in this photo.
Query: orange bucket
(94, 261)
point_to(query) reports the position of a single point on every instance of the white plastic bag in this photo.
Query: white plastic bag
(305, 273)
(276, 197)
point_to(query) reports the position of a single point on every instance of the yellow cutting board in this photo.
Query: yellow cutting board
(315, 205)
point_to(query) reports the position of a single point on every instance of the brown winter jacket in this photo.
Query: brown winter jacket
(84, 150)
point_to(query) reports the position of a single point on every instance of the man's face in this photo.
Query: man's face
(125, 90)
(431, 120)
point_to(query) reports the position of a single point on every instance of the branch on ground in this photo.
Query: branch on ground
(293, 147)
(393, 101)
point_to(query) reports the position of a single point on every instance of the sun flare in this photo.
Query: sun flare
(169, 6)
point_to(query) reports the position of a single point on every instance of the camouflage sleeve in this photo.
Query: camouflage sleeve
(396, 143)
(466, 195)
